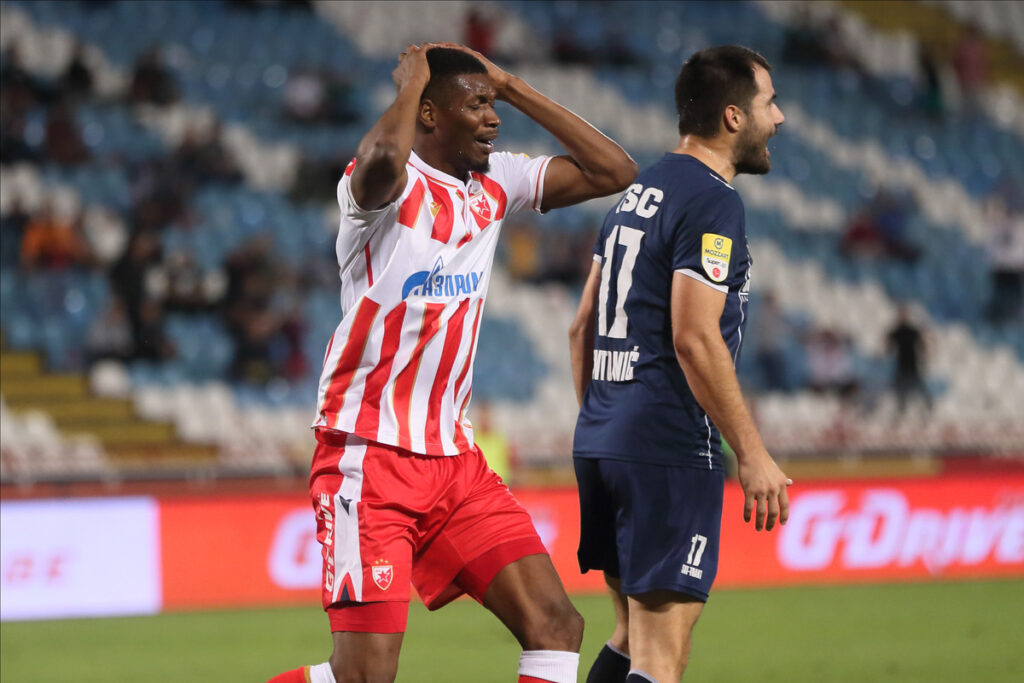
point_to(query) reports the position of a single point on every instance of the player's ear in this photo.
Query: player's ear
(428, 113)
(733, 118)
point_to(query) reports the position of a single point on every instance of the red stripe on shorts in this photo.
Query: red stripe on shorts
(406, 380)
(348, 360)
(368, 421)
(452, 341)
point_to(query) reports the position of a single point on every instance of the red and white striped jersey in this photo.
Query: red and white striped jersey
(414, 274)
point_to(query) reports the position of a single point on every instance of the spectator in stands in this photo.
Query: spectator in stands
(830, 361)
(202, 157)
(970, 62)
(12, 229)
(54, 241)
(906, 343)
(771, 331)
(21, 90)
(13, 144)
(161, 194)
(185, 289)
(77, 81)
(568, 49)
(150, 342)
(131, 276)
(1006, 264)
(480, 32)
(314, 96)
(110, 334)
(152, 82)
(252, 279)
(932, 101)
(880, 230)
(618, 54)
(892, 215)
(63, 142)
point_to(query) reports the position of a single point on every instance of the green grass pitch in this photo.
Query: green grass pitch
(905, 633)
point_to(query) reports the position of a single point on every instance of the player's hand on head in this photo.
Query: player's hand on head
(499, 77)
(412, 66)
(765, 499)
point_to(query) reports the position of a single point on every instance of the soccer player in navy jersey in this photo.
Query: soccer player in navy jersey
(654, 346)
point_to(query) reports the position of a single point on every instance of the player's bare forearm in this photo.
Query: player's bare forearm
(709, 371)
(708, 367)
(581, 334)
(606, 167)
(384, 151)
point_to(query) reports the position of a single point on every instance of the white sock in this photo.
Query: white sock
(550, 665)
(321, 673)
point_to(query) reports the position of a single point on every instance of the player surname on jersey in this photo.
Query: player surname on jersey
(615, 366)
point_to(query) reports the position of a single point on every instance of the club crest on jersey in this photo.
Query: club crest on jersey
(383, 574)
(480, 206)
(436, 283)
(715, 252)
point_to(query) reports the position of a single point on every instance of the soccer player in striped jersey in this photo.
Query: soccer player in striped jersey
(653, 346)
(401, 493)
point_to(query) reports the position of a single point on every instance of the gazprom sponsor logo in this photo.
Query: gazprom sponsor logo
(436, 283)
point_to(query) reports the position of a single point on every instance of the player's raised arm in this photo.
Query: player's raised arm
(581, 333)
(379, 174)
(596, 165)
(707, 364)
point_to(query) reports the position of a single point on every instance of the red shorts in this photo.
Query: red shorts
(387, 517)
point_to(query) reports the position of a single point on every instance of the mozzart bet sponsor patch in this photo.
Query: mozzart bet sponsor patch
(715, 252)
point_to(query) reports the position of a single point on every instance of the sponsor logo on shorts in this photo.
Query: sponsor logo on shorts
(383, 574)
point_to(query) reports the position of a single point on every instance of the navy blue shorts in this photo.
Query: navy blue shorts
(654, 527)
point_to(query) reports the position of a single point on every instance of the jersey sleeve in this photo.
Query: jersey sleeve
(709, 237)
(522, 177)
(357, 224)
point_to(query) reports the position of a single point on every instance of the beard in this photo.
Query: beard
(752, 153)
(472, 165)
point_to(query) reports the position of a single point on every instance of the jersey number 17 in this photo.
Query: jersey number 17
(629, 238)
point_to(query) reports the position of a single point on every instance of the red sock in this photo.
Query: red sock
(300, 675)
(531, 679)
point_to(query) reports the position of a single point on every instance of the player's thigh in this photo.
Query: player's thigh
(660, 628)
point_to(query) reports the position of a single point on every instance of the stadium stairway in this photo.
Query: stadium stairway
(128, 441)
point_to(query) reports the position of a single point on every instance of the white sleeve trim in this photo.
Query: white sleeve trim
(700, 278)
(541, 179)
(597, 257)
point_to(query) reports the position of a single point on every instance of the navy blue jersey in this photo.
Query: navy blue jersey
(678, 216)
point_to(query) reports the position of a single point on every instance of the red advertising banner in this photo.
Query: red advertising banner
(263, 550)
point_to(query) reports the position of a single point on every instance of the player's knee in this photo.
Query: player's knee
(557, 627)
